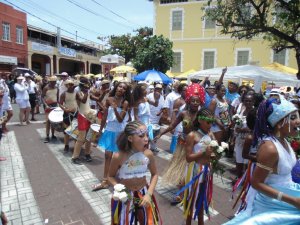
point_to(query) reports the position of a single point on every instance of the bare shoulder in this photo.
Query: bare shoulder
(148, 153)
(267, 152)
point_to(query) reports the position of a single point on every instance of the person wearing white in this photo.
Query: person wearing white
(22, 99)
(6, 105)
(32, 91)
(170, 99)
(155, 112)
(61, 83)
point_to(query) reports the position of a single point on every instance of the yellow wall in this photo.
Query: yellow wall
(193, 38)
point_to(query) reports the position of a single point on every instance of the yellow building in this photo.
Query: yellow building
(198, 44)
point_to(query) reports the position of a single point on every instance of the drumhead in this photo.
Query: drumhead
(56, 115)
(155, 127)
(95, 127)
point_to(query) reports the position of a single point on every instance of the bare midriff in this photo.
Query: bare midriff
(134, 184)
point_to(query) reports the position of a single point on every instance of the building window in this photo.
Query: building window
(177, 20)
(6, 31)
(242, 58)
(171, 1)
(209, 60)
(279, 57)
(176, 62)
(209, 23)
(19, 31)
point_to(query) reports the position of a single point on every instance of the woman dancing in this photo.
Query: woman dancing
(277, 200)
(129, 167)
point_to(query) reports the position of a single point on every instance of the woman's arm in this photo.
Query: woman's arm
(153, 171)
(189, 146)
(247, 147)
(113, 168)
(156, 96)
(120, 116)
(267, 160)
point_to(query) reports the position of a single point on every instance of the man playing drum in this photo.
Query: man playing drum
(68, 103)
(50, 99)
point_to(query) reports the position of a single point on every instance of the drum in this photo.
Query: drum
(72, 130)
(93, 133)
(56, 119)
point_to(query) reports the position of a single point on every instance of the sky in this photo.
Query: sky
(90, 18)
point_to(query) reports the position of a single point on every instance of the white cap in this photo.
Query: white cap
(27, 75)
(64, 74)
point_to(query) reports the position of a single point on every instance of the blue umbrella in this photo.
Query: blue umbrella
(153, 76)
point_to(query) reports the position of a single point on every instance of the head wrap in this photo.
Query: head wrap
(280, 111)
(195, 90)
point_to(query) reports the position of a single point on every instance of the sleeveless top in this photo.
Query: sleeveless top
(286, 162)
(240, 111)
(112, 122)
(136, 166)
(70, 101)
(201, 146)
(222, 111)
(51, 96)
(84, 108)
(144, 113)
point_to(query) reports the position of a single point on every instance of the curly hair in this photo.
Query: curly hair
(127, 94)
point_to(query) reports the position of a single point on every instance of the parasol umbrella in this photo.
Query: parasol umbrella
(123, 69)
(153, 76)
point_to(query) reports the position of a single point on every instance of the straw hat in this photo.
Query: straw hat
(69, 81)
(105, 82)
(52, 78)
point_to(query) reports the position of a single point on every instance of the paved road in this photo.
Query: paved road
(39, 185)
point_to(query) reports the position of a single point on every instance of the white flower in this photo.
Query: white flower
(123, 196)
(220, 149)
(206, 140)
(213, 144)
(116, 196)
(224, 145)
(236, 116)
(119, 187)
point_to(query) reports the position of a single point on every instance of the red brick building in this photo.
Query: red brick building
(13, 38)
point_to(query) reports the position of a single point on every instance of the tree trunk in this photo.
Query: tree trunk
(298, 61)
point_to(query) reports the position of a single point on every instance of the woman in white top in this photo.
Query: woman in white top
(22, 99)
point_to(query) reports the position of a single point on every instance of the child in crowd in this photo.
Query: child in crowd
(129, 167)
(197, 195)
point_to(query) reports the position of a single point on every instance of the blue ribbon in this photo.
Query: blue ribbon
(189, 184)
(202, 195)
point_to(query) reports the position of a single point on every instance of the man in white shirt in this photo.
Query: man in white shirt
(155, 112)
(6, 101)
(32, 94)
(61, 83)
(170, 99)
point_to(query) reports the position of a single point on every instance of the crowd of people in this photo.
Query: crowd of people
(128, 118)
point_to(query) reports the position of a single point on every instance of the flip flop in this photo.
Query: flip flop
(100, 186)
(2, 158)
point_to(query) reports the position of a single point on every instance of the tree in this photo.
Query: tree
(157, 55)
(277, 21)
(143, 49)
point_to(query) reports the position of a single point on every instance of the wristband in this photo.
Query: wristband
(279, 196)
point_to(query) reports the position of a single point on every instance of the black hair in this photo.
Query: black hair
(181, 87)
(137, 92)
(202, 112)
(258, 98)
(127, 94)
(122, 141)
(241, 87)
(219, 86)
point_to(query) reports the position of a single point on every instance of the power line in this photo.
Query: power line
(38, 7)
(114, 12)
(48, 22)
(99, 15)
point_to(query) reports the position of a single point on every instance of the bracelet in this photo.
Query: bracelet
(279, 196)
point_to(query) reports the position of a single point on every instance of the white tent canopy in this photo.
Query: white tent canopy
(249, 72)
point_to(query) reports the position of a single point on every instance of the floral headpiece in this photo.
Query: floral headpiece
(280, 110)
(208, 119)
(195, 90)
(139, 132)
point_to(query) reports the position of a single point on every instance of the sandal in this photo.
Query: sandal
(100, 186)
(176, 200)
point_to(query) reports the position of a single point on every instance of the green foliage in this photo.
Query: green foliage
(143, 49)
(157, 55)
(277, 21)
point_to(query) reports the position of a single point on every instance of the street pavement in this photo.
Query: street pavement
(40, 185)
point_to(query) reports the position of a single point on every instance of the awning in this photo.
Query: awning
(8, 60)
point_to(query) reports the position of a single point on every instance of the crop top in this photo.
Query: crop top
(135, 166)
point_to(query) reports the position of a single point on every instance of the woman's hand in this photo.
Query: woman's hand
(146, 200)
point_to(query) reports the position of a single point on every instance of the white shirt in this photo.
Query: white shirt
(154, 119)
(32, 87)
(21, 91)
(169, 102)
(62, 87)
